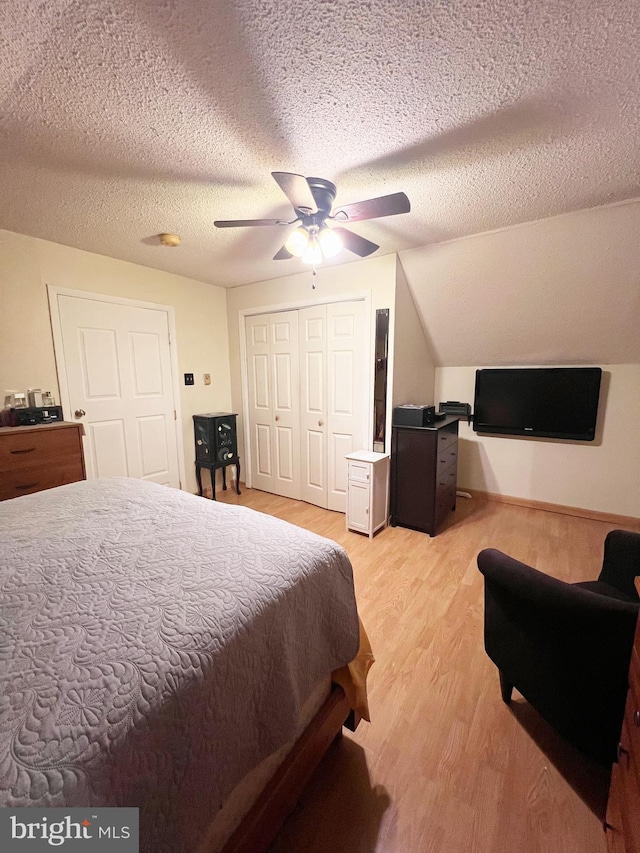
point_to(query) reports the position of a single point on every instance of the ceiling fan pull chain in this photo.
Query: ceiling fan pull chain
(314, 273)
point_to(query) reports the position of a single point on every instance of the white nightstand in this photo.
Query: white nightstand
(367, 491)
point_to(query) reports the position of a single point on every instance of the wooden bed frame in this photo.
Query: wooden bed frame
(264, 820)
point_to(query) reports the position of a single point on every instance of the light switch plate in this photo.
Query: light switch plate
(188, 379)
(207, 379)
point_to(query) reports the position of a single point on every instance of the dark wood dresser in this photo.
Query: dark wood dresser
(424, 466)
(33, 458)
(623, 809)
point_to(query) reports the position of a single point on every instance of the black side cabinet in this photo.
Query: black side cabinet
(424, 464)
(216, 447)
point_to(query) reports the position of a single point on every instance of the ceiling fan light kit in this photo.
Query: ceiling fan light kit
(312, 201)
(313, 244)
(297, 242)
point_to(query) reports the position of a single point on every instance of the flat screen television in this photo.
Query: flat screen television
(548, 402)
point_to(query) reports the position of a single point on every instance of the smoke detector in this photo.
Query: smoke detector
(169, 239)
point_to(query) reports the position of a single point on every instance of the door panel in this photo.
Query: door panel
(283, 387)
(152, 441)
(107, 455)
(286, 402)
(117, 362)
(147, 364)
(347, 378)
(313, 409)
(260, 410)
(263, 448)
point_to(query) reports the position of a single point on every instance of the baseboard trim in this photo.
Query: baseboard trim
(628, 521)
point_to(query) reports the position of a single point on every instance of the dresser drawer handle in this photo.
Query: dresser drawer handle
(26, 485)
(636, 718)
(26, 450)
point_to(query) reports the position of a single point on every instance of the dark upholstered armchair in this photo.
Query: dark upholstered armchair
(566, 647)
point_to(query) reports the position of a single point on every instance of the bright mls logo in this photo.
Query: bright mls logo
(108, 830)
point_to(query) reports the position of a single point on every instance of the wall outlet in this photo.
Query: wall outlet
(188, 379)
(207, 379)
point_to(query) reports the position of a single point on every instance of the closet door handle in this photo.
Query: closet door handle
(320, 423)
(277, 417)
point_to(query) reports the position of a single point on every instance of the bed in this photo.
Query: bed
(159, 650)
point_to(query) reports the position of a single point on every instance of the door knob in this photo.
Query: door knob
(79, 413)
(277, 417)
(320, 423)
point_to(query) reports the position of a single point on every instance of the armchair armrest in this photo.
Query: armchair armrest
(621, 563)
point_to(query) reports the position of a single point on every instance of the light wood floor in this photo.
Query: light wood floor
(445, 766)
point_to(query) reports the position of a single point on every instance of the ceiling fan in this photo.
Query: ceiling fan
(312, 200)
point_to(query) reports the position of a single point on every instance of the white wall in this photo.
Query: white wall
(376, 276)
(603, 475)
(562, 290)
(27, 265)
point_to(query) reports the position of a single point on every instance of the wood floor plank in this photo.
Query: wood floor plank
(445, 766)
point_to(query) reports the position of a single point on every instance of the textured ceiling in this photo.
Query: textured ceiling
(121, 120)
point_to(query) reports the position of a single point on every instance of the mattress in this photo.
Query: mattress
(155, 646)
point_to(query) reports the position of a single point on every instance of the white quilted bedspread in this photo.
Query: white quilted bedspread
(154, 646)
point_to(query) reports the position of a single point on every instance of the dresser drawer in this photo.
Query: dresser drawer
(447, 456)
(445, 480)
(34, 478)
(445, 503)
(447, 435)
(37, 447)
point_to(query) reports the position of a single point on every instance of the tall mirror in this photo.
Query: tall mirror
(380, 382)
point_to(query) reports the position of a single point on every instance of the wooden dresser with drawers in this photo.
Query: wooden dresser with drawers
(424, 465)
(33, 458)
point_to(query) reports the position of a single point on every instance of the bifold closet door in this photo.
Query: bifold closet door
(308, 379)
(313, 404)
(274, 402)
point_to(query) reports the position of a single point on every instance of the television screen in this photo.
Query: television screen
(548, 402)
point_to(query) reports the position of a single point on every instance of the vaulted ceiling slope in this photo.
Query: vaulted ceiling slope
(121, 120)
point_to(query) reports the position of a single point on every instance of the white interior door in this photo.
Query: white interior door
(347, 380)
(260, 404)
(117, 366)
(308, 376)
(286, 403)
(274, 402)
(313, 404)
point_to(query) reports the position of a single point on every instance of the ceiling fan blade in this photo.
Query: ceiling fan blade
(282, 255)
(355, 243)
(243, 223)
(384, 205)
(297, 190)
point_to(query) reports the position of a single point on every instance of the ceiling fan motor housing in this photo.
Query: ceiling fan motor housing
(324, 193)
